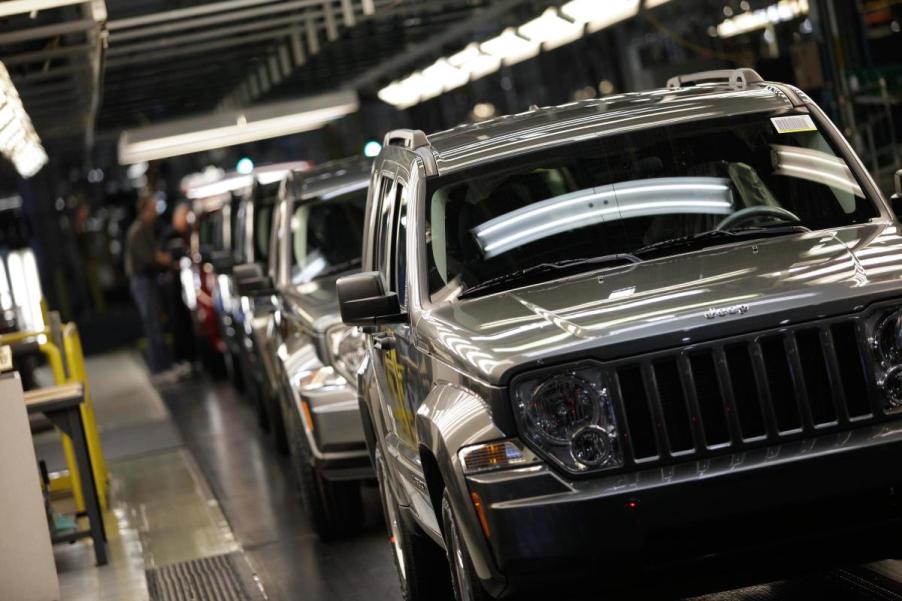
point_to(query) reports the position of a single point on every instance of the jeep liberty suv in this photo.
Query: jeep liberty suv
(652, 337)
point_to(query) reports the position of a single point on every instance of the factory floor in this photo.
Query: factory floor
(198, 496)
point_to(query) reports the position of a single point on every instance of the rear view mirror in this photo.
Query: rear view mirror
(364, 302)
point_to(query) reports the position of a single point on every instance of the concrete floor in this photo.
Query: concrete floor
(193, 476)
(263, 505)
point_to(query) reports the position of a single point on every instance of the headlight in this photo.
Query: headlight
(569, 417)
(346, 350)
(888, 339)
(887, 343)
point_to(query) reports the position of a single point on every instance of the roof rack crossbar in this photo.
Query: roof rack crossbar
(408, 138)
(738, 79)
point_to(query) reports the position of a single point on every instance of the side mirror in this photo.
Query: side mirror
(256, 286)
(364, 302)
(895, 200)
(222, 263)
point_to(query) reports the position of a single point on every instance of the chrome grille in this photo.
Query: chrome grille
(749, 391)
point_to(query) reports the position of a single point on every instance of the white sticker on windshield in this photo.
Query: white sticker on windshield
(793, 124)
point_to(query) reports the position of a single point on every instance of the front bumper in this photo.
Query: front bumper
(331, 415)
(821, 502)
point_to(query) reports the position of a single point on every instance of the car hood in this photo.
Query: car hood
(668, 302)
(315, 303)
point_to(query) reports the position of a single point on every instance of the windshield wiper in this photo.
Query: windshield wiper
(714, 237)
(527, 275)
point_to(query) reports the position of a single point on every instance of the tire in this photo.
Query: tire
(236, 374)
(335, 508)
(277, 425)
(465, 583)
(421, 566)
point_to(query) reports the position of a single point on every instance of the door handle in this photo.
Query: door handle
(384, 341)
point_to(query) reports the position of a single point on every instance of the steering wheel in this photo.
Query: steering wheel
(750, 213)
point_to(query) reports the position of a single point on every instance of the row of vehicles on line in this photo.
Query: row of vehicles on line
(653, 339)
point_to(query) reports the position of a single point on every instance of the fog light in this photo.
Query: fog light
(892, 386)
(591, 446)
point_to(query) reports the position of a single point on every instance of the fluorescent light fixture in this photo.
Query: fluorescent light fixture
(18, 7)
(474, 62)
(780, 12)
(399, 94)
(203, 187)
(187, 136)
(686, 195)
(26, 290)
(551, 30)
(510, 47)
(598, 15)
(18, 141)
(444, 75)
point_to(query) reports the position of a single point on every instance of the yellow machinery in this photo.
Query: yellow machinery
(61, 345)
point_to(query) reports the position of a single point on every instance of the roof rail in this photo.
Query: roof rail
(738, 79)
(408, 138)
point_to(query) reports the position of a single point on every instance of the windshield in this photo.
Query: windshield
(262, 229)
(327, 236)
(632, 197)
(210, 230)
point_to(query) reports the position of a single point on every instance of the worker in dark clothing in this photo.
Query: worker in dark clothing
(177, 242)
(143, 262)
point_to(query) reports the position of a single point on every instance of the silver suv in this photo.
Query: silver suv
(647, 338)
(316, 237)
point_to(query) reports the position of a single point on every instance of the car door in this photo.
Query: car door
(402, 370)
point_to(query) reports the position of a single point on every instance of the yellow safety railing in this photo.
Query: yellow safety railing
(70, 370)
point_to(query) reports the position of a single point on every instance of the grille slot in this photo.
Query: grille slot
(817, 379)
(851, 369)
(747, 392)
(640, 427)
(780, 382)
(673, 406)
(710, 398)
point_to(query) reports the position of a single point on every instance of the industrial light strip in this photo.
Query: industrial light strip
(779, 12)
(555, 27)
(187, 136)
(18, 141)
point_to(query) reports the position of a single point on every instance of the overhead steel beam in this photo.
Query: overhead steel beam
(47, 31)
(163, 43)
(19, 7)
(32, 90)
(185, 13)
(44, 55)
(52, 73)
(171, 53)
(117, 37)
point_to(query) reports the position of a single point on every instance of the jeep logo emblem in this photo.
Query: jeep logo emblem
(715, 312)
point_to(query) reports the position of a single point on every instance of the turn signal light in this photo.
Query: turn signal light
(480, 512)
(493, 456)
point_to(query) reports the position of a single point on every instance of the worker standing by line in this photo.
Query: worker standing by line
(177, 243)
(143, 262)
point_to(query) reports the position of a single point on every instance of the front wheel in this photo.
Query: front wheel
(335, 508)
(463, 576)
(421, 566)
